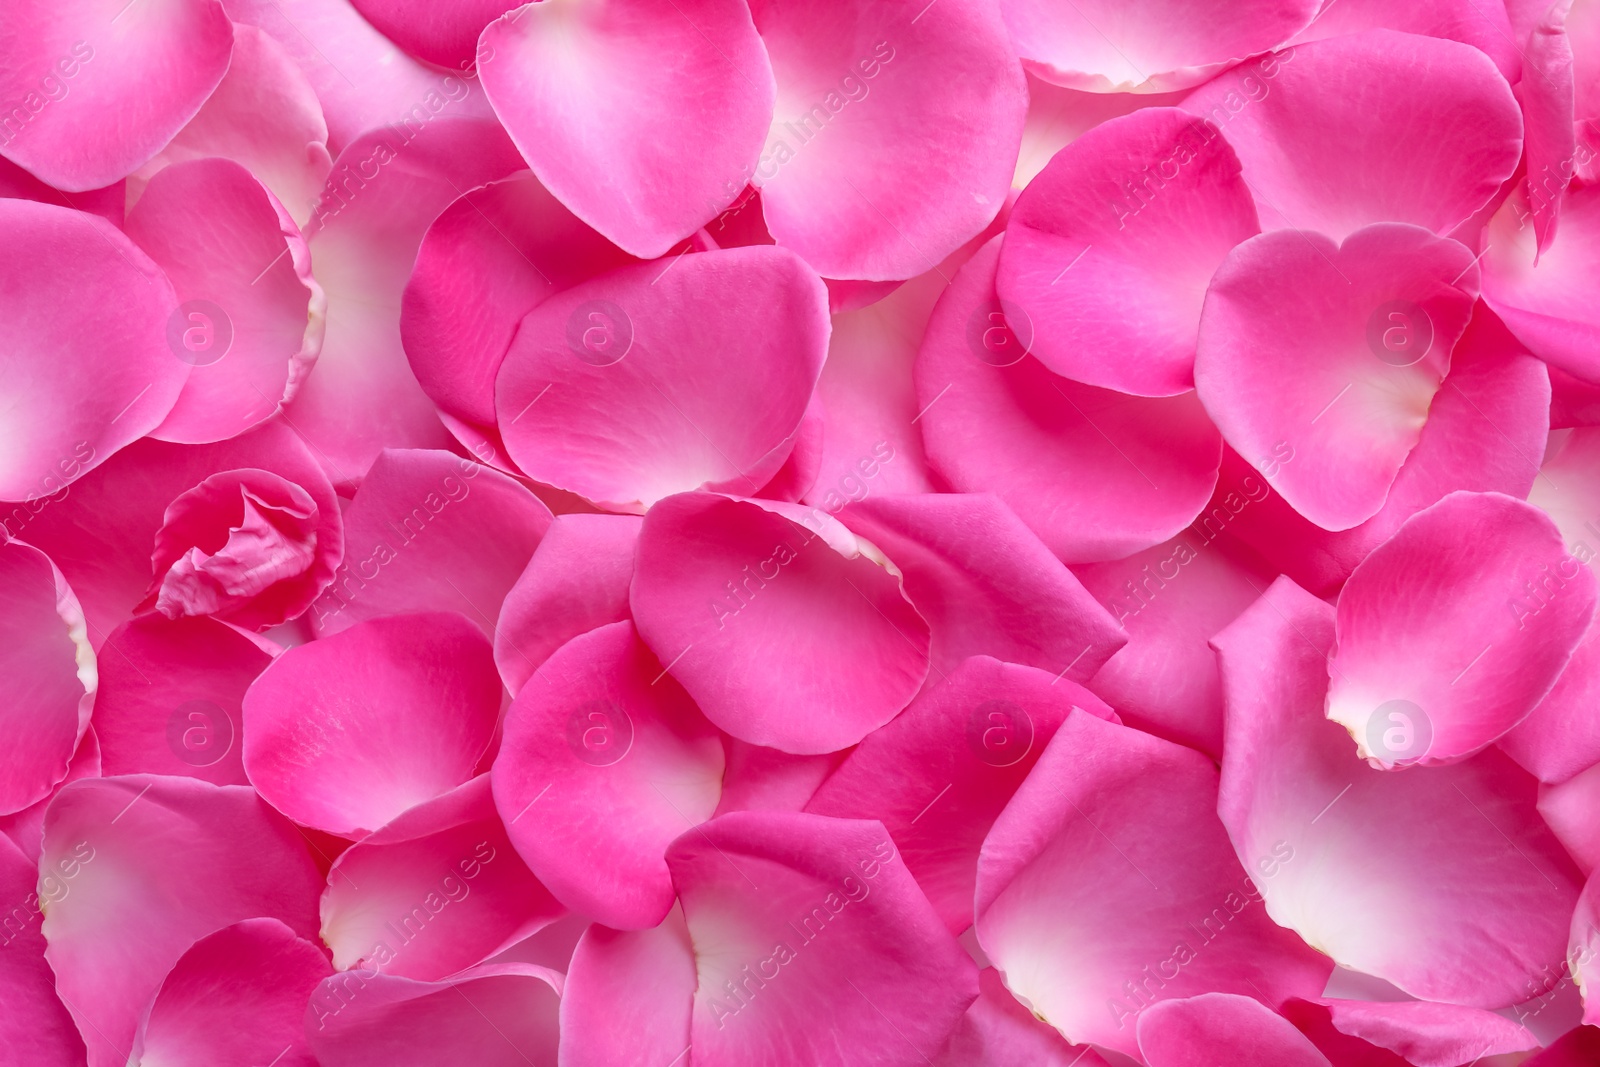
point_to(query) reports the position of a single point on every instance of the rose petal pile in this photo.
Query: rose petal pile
(799, 533)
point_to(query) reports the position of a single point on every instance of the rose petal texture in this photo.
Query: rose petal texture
(1424, 1034)
(648, 975)
(997, 1030)
(37, 1029)
(1222, 1028)
(446, 36)
(1543, 296)
(346, 733)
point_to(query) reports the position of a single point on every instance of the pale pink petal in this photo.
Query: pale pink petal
(986, 584)
(73, 288)
(997, 1031)
(141, 867)
(1115, 823)
(1109, 250)
(1583, 950)
(659, 378)
(1058, 116)
(48, 675)
(1331, 355)
(1440, 880)
(35, 1028)
(101, 85)
(1215, 1029)
(583, 92)
(604, 761)
(1129, 471)
(939, 775)
(1546, 95)
(1477, 588)
(1545, 298)
(430, 531)
(1148, 46)
(765, 613)
(576, 581)
(1319, 150)
(800, 918)
(237, 996)
(346, 733)
(250, 317)
(438, 889)
(1484, 26)
(495, 1015)
(1572, 811)
(894, 133)
(445, 34)
(644, 976)
(765, 779)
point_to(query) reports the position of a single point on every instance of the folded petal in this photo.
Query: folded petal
(1222, 1029)
(74, 288)
(142, 866)
(236, 996)
(1131, 471)
(1107, 255)
(1115, 822)
(1331, 355)
(100, 87)
(1425, 1034)
(894, 133)
(604, 761)
(446, 35)
(1544, 297)
(796, 918)
(645, 976)
(939, 775)
(346, 733)
(430, 531)
(1440, 880)
(250, 317)
(652, 380)
(1316, 126)
(36, 1029)
(765, 611)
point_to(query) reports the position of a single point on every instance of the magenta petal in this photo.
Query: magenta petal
(986, 584)
(346, 733)
(1572, 811)
(236, 996)
(1578, 1048)
(656, 379)
(103, 87)
(1429, 1035)
(26, 827)
(800, 917)
(430, 531)
(997, 1031)
(73, 288)
(445, 34)
(939, 775)
(1214, 1029)
(494, 1015)
(1109, 275)
(765, 612)
(644, 976)
(35, 1029)
(765, 779)
(1463, 893)
(1115, 822)
(1484, 26)
(1583, 950)
(142, 866)
(1131, 471)
(604, 761)
(437, 890)
(1545, 298)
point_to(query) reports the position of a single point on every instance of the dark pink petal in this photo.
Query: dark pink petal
(445, 34)
(1150, 46)
(169, 699)
(1107, 255)
(1484, 26)
(1131, 471)
(644, 976)
(1331, 355)
(997, 1031)
(1214, 1029)
(604, 761)
(1546, 95)
(986, 584)
(109, 203)
(250, 316)
(48, 675)
(142, 866)
(237, 996)
(437, 890)
(577, 580)
(1428, 1035)
(766, 611)
(939, 775)
(101, 87)
(798, 475)
(384, 191)
(585, 96)
(1319, 152)
(894, 134)
(345, 733)
(1440, 880)
(430, 531)
(1573, 401)
(1113, 823)
(73, 288)
(26, 827)
(494, 1015)
(35, 1029)
(660, 378)
(492, 256)
(1578, 1048)
(765, 779)
(798, 918)
(1170, 600)
(1545, 298)
(1478, 588)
